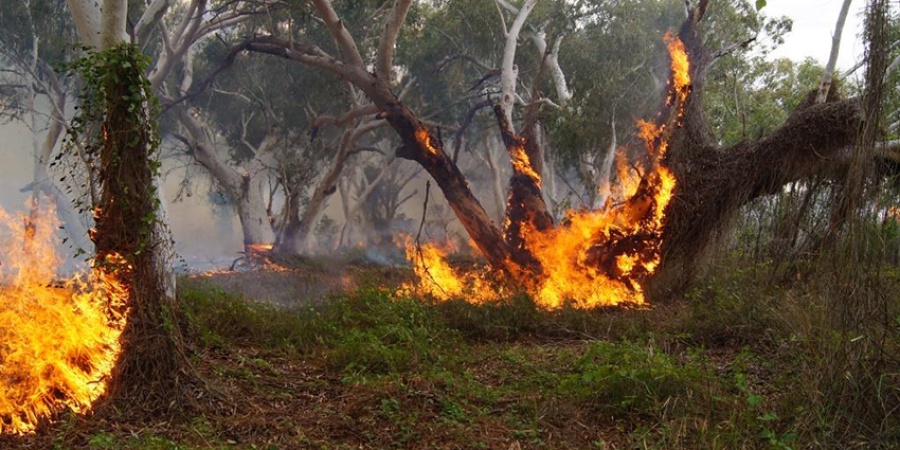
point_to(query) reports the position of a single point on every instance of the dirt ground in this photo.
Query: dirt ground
(298, 281)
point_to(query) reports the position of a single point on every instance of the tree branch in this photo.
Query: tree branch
(385, 63)
(341, 36)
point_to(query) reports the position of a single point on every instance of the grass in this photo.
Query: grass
(738, 363)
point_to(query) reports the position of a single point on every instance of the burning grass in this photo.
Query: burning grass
(58, 341)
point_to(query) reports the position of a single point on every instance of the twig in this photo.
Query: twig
(419, 254)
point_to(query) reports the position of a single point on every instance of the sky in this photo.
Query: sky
(814, 22)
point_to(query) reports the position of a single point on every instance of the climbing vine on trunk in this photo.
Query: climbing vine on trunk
(115, 126)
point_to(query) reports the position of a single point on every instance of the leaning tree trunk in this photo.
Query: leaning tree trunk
(714, 182)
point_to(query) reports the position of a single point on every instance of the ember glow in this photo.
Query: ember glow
(424, 139)
(594, 258)
(58, 340)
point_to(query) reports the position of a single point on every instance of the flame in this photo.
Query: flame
(680, 66)
(438, 279)
(522, 163)
(424, 138)
(596, 258)
(58, 342)
(260, 248)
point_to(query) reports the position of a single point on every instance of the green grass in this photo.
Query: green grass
(736, 364)
(740, 362)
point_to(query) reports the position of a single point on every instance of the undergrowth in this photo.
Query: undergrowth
(745, 360)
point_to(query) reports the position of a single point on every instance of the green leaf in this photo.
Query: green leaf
(754, 400)
(760, 4)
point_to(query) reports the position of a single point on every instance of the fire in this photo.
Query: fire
(424, 138)
(594, 258)
(680, 66)
(58, 341)
(522, 164)
(438, 279)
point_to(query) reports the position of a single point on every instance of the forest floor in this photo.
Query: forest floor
(736, 363)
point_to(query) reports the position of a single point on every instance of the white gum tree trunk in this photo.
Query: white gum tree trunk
(509, 72)
(825, 86)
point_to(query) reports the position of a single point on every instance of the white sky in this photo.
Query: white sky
(814, 22)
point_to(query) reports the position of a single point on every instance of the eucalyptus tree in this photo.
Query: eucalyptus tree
(283, 130)
(704, 199)
(116, 127)
(34, 93)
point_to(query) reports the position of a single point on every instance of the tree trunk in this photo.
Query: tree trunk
(247, 196)
(293, 238)
(132, 242)
(714, 182)
(525, 207)
(242, 189)
(825, 86)
(130, 245)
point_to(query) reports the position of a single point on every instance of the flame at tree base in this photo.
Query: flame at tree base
(596, 258)
(58, 341)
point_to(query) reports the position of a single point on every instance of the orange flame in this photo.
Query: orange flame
(438, 279)
(680, 66)
(424, 138)
(522, 164)
(58, 344)
(598, 257)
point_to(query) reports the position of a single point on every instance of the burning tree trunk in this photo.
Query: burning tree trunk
(131, 240)
(129, 244)
(605, 257)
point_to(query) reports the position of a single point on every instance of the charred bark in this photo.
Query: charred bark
(525, 207)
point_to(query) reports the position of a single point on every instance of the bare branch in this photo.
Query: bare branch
(551, 62)
(407, 88)
(384, 66)
(509, 72)
(825, 86)
(151, 17)
(507, 6)
(733, 47)
(343, 38)
(308, 54)
(344, 119)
